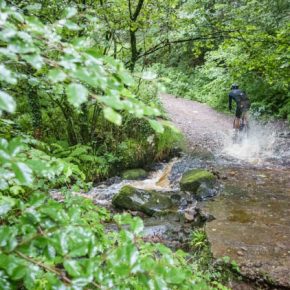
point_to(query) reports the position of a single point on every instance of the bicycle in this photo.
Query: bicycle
(243, 131)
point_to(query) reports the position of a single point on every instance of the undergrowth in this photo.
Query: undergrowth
(223, 269)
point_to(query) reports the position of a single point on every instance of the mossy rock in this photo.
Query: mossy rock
(147, 201)
(192, 180)
(133, 174)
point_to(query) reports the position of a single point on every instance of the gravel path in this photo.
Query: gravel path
(201, 125)
(252, 215)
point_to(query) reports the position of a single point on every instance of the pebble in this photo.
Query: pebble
(189, 216)
(240, 253)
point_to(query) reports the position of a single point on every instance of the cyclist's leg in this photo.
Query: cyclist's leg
(245, 118)
(236, 124)
(244, 123)
(237, 120)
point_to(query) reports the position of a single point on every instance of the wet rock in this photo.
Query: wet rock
(284, 135)
(199, 182)
(190, 213)
(232, 173)
(240, 253)
(176, 198)
(110, 181)
(147, 201)
(183, 203)
(134, 174)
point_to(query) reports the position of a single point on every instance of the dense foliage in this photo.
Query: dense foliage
(250, 47)
(69, 94)
(44, 243)
(79, 103)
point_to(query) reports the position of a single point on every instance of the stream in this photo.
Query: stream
(247, 219)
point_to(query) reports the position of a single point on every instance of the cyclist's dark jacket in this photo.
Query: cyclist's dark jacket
(242, 101)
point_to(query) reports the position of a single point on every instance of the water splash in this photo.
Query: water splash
(262, 145)
(157, 180)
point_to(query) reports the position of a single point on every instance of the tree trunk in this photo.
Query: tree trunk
(134, 51)
(68, 113)
(84, 124)
(133, 29)
(35, 107)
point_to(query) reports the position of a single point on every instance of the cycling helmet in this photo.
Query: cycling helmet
(234, 87)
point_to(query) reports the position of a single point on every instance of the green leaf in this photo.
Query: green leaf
(35, 60)
(157, 126)
(112, 101)
(77, 94)
(73, 268)
(6, 204)
(56, 75)
(22, 173)
(33, 7)
(176, 276)
(8, 239)
(71, 26)
(70, 12)
(112, 116)
(171, 126)
(7, 103)
(3, 17)
(35, 24)
(6, 75)
(126, 78)
(15, 146)
(80, 283)
(137, 225)
(19, 272)
(4, 156)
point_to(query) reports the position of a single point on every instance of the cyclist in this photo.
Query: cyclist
(242, 106)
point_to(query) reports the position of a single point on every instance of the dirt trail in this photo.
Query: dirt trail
(201, 125)
(252, 213)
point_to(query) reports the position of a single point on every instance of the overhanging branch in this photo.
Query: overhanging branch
(166, 43)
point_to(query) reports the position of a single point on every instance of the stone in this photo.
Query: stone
(240, 253)
(190, 212)
(134, 174)
(147, 201)
(198, 181)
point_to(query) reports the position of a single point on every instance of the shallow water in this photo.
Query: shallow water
(266, 145)
(252, 214)
(156, 180)
(252, 211)
(252, 222)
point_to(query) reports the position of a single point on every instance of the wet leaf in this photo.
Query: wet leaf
(77, 94)
(22, 172)
(7, 103)
(112, 116)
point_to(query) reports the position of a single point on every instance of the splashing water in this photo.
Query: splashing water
(157, 180)
(260, 146)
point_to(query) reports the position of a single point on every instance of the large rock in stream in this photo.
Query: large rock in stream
(134, 174)
(199, 182)
(147, 201)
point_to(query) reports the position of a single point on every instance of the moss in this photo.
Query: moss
(125, 191)
(192, 179)
(133, 174)
(147, 201)
(169, 143)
